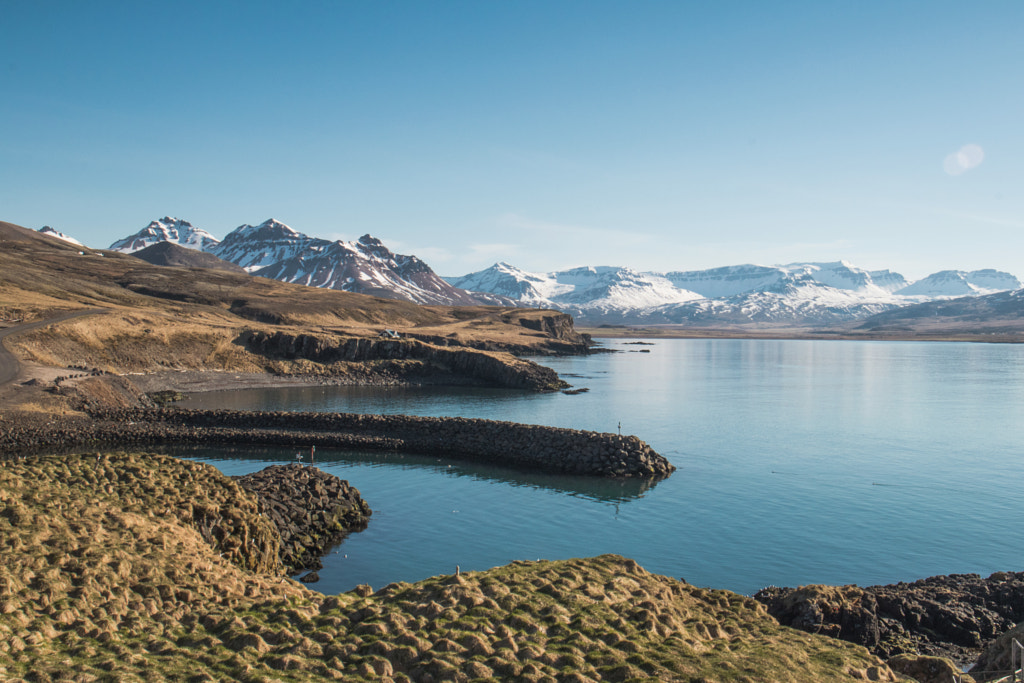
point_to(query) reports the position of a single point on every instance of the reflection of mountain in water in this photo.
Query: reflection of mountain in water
(595, 488)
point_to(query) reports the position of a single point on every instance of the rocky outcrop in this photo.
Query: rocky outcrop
(924, 669)
(498, 369)
(952, 616)
(312, 510)
(998, 659)
(554, 325)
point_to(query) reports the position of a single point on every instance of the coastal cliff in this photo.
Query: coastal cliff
(452, 365)
(556, 329)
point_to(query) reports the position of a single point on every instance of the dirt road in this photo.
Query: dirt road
(9, 365)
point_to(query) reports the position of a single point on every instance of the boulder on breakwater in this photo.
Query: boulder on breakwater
(312, 510)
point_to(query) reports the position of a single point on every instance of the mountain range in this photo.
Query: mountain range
(276, 251)
(797, 294)
(791, 295)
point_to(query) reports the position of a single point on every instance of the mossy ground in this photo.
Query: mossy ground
(146, 568)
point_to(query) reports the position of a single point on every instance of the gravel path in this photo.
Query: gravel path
(9, 365)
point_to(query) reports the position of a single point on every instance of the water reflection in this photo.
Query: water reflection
(244, 459)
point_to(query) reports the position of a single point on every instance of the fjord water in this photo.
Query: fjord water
(798, 462)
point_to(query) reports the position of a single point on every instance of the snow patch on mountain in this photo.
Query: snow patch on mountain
(732, 280)
(506, 280)
(365, 266)
(955, 283)
(600, 288)
(255, 247)
(51, 232)
(167, 229)
(795, 299)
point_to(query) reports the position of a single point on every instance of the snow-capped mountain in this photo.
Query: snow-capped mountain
(797, 299)
(274, 250)
(948, 283)
(508, 281)
(259, 246)
(365, 266)
(793, 294)
(732, 280)
(167, 229)
(51, 232)
(609, 287)
(597, 289)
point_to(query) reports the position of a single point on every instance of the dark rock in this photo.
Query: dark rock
(313, 511)
(998, 659)
(496, 369)
(953, 616)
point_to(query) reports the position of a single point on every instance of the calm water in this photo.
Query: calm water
(799, 462)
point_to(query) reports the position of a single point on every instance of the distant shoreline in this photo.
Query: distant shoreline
(792, 334)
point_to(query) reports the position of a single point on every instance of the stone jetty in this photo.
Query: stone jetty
(522, 446)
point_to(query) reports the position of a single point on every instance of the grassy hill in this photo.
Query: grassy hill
(147, 568)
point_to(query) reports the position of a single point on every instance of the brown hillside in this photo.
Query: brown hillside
(163, 317)
(171, 254)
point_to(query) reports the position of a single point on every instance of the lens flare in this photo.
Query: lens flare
(964, 159)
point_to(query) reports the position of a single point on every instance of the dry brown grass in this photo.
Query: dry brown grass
(117, 567)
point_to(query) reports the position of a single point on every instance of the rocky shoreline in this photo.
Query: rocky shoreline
(312, 510)
(955, 616)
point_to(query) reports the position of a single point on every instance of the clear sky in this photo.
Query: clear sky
(660, 135)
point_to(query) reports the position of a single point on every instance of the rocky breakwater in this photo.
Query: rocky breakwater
(410, 359)
(530, 447)
(954, 616)
(312, 510)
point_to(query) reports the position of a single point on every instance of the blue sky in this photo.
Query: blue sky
(657, 135)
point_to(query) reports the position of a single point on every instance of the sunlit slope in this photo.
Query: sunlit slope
(150, 568)
(191, 317)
